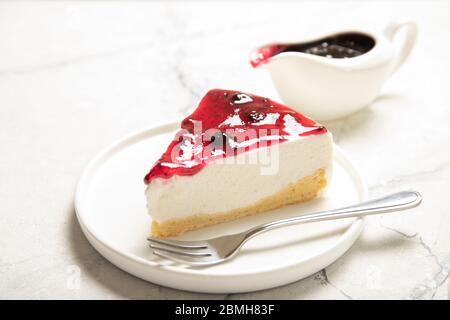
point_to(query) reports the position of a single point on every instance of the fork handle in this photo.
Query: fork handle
(394, 202)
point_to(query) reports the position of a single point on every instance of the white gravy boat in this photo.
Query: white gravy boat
(330, 88)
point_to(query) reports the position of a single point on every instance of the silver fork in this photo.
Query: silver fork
(216, 250)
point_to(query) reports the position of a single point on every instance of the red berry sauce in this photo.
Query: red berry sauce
(227, 123)
(339, 46)
(263, 54)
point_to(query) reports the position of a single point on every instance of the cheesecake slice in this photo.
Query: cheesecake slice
(236, 155)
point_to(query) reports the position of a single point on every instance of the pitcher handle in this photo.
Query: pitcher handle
(403, 46)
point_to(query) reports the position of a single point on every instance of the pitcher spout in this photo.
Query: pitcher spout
(266, 53)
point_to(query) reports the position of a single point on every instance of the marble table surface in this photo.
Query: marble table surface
(75, 76)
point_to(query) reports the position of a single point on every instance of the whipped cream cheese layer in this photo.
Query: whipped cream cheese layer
(220, 186)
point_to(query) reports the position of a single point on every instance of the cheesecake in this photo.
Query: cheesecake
(236, 155)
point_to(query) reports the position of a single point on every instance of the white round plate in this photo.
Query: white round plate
(111, 209)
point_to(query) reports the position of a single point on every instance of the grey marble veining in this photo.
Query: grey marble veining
(75, 76)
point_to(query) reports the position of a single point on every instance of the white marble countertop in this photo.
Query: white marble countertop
(75, 76)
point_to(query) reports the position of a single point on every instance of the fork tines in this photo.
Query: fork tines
(190, 252)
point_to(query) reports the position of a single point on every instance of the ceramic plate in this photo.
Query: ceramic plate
(111, 209)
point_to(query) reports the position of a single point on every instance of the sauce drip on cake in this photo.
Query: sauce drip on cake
(227, 123)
